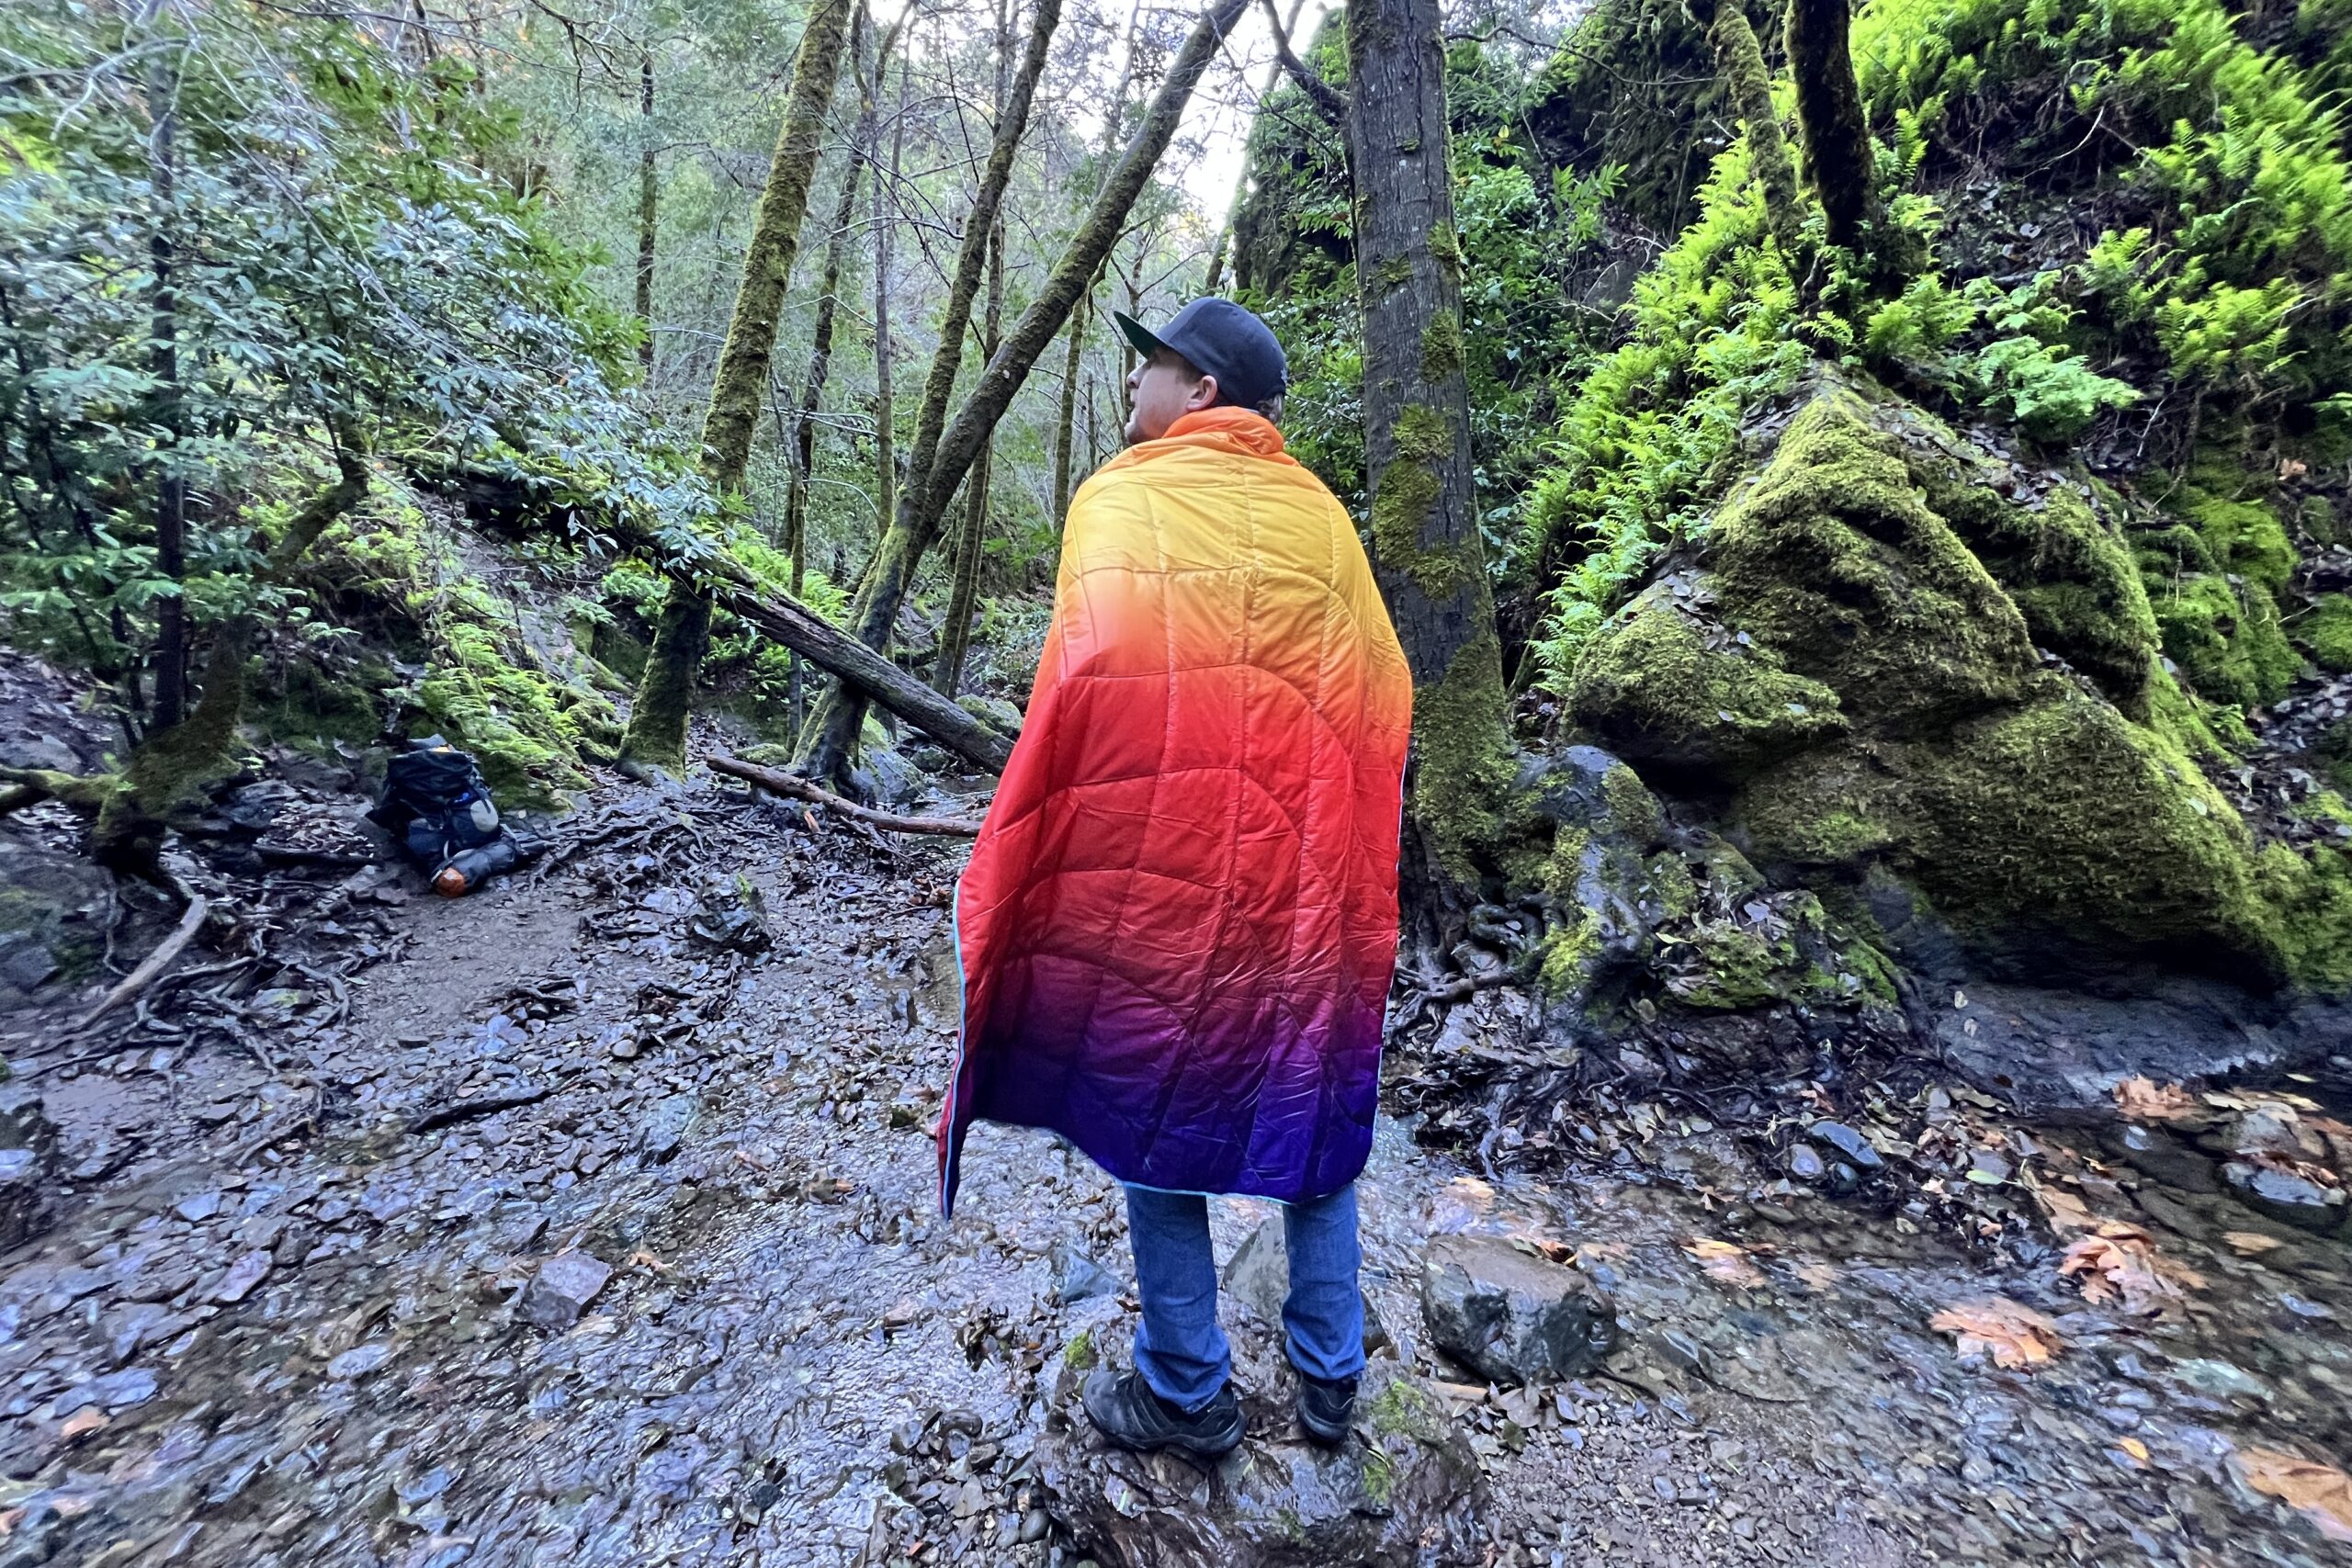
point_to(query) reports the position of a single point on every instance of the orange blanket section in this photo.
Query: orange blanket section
(1179, 923)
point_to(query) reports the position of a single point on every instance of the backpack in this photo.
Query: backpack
(435, 803)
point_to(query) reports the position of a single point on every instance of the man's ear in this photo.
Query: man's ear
(1203, 394)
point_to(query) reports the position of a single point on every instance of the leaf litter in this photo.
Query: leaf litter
(2013, 1334)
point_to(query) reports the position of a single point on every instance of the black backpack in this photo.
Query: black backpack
(435, 803)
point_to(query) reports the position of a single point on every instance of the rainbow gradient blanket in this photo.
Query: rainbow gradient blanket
(1179, 923)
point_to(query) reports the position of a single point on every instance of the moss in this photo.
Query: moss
(665, 693)
(2069, 574)
(2308, 895)
(2318, 520)
(1442, 347)
(2226, 640)
(1634, 808)
(1390, 276)
(1406, 497)
(1835, 560)
(2243, 536)
(1463, 765)
(1379, 1477)
(1079, 1354)
(1399, 1410)
(2326, 632)
(1737, 968)
(1662, 686)
(2333, 753)
(1563, 955)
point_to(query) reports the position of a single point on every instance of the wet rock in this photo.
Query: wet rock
(243, 1274)
(1078, 1278)
(29, 1166)
(562, 1289)
(1406, 1489)
(1806, 1164)
(359, 1360)
(1851, 1145)
(1509, 1316)
(667, 1122)
(2287, 1195)
(732, 915)
(1258, 1276)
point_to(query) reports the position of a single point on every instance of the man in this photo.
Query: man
(1179, 923)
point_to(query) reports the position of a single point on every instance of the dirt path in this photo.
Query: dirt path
(328, 1348)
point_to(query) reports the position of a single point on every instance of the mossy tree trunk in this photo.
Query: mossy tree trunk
(821, 354)
(1425, 547)
(1065, 416)
(832, 727)
(1837, 159)
(956, 636)
(886, 412)
(649, 207)
(178, 766)
(171, 479)
(1739, 59)
(657, 725)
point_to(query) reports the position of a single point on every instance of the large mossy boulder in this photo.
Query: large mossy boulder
(1905, 672)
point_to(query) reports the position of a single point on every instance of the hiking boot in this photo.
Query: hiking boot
(1327, 1408)
(1134, 1417)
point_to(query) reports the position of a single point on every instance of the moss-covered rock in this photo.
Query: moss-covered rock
(2003, 743)
(2325, 633)
(1670, 685)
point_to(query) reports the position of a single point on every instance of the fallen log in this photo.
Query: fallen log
(785, 619)
(801, 789)
(157, 961)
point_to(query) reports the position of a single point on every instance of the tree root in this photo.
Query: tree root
(155, 963)
(801, 789)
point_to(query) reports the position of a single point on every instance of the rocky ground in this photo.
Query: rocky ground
(592, 1219)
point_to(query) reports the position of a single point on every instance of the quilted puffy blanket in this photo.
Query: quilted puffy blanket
(1179, 923)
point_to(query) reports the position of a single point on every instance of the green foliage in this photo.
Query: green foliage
(2326, 631)
(2051, 395)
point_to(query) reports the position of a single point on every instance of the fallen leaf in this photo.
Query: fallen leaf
(1821, 1275)
(2066, 1211)
(1593, 1252)
(2013, 1334)
(2134, 1446)
(2139, 1101)
(2323, 1491)
(642, 1258)
(9, 1519)
(1725, 1260)
(2119, 1263)
(2251, 1243)
(82, 1422)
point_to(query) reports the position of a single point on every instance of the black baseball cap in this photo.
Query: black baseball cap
(1223, 340)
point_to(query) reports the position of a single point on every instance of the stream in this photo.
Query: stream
(302, 1311)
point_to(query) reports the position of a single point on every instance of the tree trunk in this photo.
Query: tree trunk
(178, 766)
(657, 725)
(886, 413)
(820, 355)
(1065, 415)
(1425, 547)
(171, 483)
(1838, 158)
(1739, 60)
(1242, 186)
(956, 636)
(648, 204)
(835, 725)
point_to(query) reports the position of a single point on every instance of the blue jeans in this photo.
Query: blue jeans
(1180, 1350)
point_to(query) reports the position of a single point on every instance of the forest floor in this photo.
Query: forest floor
(296, 1304)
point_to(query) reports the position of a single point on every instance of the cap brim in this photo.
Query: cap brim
(1136, 336)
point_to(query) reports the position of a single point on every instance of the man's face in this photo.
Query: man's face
(1161, 390)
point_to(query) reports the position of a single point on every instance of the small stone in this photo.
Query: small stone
(1509, 1317)
(246, 1272)
(198, 1207)
(1805, 1165)
(666, 1123)
(1078, 1278)
(359, 1360)
(562, 1289)
(1849, 1142)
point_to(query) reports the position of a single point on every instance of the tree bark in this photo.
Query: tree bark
(835, 725)
(886, 412)
(179, 765)
(1838, 158)
(1739, 60)
(1065, 415)
(657, 726)
(648, 205)
(956, 636)
(171, 483)
(1281, 28)
(1425, 547)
